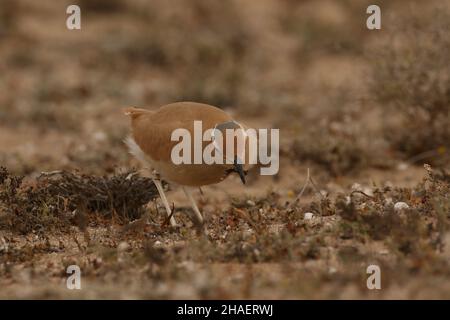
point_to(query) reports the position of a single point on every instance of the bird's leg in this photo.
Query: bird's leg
(197, 213)
(159, 186)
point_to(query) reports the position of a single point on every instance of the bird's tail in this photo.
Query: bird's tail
(135, 112)
(135, 150)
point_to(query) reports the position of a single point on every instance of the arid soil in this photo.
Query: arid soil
(366, 112)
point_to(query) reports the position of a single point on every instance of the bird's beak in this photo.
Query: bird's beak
(239, 169)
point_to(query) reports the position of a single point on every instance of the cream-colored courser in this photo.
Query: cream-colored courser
(150, 142)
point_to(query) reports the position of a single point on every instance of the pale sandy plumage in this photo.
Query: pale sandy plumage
(151, 131)
(150, 142)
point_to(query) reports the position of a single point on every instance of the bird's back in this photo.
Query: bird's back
(152, 131)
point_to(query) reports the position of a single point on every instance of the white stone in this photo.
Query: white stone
(157, 243)
(123, 246)
(308, 216)
(398, 206)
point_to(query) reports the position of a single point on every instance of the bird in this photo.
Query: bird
(150, 142)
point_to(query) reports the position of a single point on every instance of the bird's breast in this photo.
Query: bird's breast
(191, 174)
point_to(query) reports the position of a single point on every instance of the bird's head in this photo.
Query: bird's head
(231, 146)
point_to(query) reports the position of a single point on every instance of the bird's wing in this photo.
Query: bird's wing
(155, 138)
(153, 131)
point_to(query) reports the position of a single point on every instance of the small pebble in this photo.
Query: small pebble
(398, 206)
(123, 246)
(157, 243)
(308, 216)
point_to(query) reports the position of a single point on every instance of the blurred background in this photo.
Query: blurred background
(345, 98)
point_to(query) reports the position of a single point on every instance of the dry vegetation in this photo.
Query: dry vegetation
(364, 110)
(412, 78)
